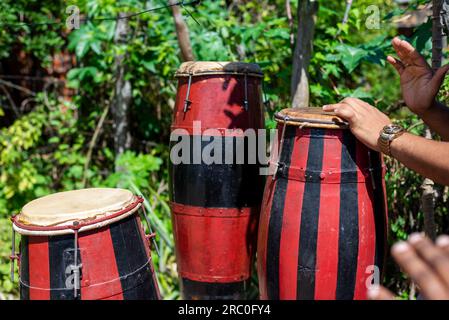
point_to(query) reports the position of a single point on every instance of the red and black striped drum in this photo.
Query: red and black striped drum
(322, 232)
(85, 244)
(215, 204)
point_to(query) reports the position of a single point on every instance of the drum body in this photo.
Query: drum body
(322, 232)
(112, 255)
(215, 205)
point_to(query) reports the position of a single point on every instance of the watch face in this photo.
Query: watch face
(393, 129)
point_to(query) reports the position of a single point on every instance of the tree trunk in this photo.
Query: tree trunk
(123, 94)
(182, 31)
(427, 187)
(437, 35)
(307, 10)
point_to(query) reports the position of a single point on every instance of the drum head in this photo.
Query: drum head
(310, 118)
(77, 205)
(201, 68)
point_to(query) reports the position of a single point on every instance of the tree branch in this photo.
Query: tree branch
(93, 142)
(428, 190)
(11, 101)
(346, 16)
(182, 31)
(123, 93)
(288, 9)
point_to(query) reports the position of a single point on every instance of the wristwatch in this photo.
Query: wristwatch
(387, 135)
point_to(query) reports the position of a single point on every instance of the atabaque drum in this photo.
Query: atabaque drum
(215, 185)
(322, 233)
(85, 244)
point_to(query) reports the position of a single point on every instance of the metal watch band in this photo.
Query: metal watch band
(384, 146)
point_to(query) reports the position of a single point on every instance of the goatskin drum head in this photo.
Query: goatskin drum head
(201, 68)
(77, 205)
(310, 118)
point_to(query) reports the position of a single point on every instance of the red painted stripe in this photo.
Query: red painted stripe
(264, 221)
(289, 247)
(217, 101)
(329, 220)
(207, 244)
(367, 230)
(39, 268)
(99, 266)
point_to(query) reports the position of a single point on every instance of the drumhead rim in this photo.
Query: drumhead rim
(81, 204)
(310, 122)
(81, 225)
(204, 68)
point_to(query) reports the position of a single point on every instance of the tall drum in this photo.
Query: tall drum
(85, 244)
(322, 231)
(215, 196)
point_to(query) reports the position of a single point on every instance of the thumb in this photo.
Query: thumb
(438, 77)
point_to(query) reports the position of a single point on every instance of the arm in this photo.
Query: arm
(427, 157)
(437, 118)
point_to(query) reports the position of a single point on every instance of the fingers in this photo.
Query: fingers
(380, 293)
(430, 284)
(443, 243)
(397, 64)
(348, 108)
(342, 109)
(438, 78)
(408, 54)
(432, 255)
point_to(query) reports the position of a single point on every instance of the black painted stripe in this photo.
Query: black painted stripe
(348, 242)
(24, 269)
(195, 290)
(61, 254)
(130, 255)
(379, 211)
(276, 217)
(308, 236)
(220, 185)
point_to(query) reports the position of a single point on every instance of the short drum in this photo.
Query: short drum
(85, 244)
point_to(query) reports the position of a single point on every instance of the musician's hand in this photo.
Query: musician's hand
(426, 263)
(365, 121)
(418, 82)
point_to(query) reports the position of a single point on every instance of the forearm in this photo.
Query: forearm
(437, 118)
(427, 157)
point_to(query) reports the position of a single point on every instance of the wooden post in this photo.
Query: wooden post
(307, 10)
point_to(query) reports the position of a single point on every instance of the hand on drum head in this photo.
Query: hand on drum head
(365, 121)
(426, 263)
(419, 83)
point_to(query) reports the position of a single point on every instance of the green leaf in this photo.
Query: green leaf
(351, 56)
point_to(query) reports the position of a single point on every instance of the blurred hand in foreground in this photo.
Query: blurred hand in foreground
(425, 262)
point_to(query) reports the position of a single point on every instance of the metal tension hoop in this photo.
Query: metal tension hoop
(187, 102)
(76, 267)
(246, 103)
(152, 235)
(278, 164)
(14, 256)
